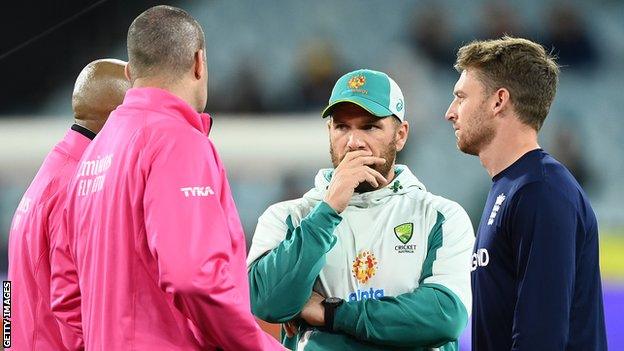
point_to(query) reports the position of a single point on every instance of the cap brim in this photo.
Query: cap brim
(374, 108)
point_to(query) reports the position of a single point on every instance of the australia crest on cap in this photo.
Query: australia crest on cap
(356, 82)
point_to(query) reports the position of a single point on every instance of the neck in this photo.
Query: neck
(177, 88)
(507, 147)
(390, 176)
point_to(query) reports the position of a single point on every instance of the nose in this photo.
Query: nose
(355, 142)
(451, 114)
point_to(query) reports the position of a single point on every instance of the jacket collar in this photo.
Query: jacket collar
(73, 144)
(163, 101)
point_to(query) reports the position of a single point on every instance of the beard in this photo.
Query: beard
(477, 136)
(388, 153)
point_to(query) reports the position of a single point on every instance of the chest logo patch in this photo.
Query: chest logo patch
(499, 201)
(404, 232)
(364, 266)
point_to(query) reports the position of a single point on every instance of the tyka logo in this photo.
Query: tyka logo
(197, 191)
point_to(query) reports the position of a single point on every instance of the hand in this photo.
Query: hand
(314, 312)
(353, 170)
(291, 328)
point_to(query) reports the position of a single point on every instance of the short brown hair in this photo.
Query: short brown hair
(162, 41)
(523, 67)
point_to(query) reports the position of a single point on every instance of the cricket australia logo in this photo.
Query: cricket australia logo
(364, 266)
(497, 205)
(404, 233)
(356, 82)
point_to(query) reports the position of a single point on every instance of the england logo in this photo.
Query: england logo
(497, 205)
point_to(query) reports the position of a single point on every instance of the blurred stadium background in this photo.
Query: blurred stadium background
(272, 65)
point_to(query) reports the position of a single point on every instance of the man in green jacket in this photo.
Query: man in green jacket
(367, 259)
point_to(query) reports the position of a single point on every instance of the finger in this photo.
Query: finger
(289, 332)
(369, 160)
(349, 156)
(360, 161)
(368, 177)
(290, 329)
(380, 178)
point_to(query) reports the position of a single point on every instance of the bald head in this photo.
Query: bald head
(99, 89)
(162, 42)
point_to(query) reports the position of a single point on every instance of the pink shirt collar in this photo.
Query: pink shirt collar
(163, 101)
(73, 144)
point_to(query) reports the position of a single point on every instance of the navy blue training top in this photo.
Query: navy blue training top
(535, 276)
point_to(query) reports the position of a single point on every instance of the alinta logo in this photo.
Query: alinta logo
(364, 266)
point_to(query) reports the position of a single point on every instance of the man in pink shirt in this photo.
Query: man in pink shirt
(40, 269)
(152, 226)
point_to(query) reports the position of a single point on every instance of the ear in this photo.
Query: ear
(127, 72)
(199, 68)
(401, 135)
(501, 100)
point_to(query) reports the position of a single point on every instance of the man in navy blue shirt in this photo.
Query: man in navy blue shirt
(535, 275)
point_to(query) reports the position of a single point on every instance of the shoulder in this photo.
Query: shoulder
(546, 202)
(447, 208)
(53, 177)
(444, 215)
(554, 187)
(296, 209)
(544, 171)
(172, 142)
(174, 133)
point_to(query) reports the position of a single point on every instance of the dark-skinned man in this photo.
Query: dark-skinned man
(46, 299)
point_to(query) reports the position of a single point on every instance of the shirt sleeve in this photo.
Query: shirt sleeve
(65, 297)
(437, 311)
(188, 234)
(543, 227)
(281, 280)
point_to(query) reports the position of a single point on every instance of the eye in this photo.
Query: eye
(371, 127)
(340, 126)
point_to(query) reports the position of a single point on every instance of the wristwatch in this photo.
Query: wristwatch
(331, 304)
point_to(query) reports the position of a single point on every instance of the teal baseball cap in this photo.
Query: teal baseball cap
(373, 91)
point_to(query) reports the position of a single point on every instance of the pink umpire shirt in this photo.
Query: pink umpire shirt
(156, 237)
(38, 258)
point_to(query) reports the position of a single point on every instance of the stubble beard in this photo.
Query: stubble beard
(388, 154)
(476, 137)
